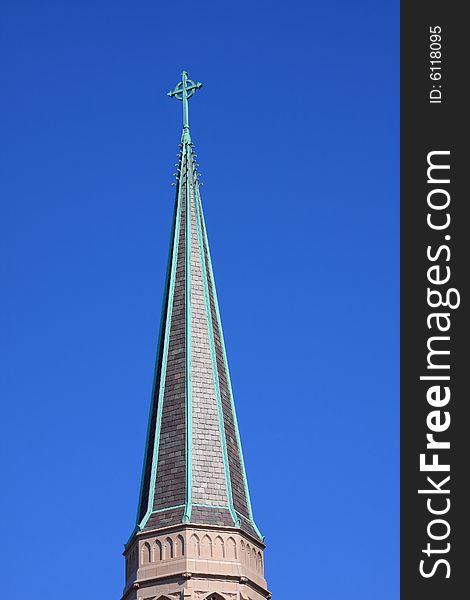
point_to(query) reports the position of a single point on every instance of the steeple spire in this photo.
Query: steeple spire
(194, 513)
(184, 90)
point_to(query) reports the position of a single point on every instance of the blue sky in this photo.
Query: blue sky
(296, 131)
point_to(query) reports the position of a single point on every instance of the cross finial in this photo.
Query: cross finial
(183, 91)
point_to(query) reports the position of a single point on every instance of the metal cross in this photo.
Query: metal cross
(183, 91)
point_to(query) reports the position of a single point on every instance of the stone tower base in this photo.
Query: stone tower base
(195, 563)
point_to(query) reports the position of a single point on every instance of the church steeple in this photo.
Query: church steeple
(193, 482)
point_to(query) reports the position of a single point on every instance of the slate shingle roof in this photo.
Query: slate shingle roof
(193, 470)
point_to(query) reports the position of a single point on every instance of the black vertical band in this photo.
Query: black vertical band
(435, 332)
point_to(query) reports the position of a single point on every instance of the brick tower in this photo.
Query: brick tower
(195, 537)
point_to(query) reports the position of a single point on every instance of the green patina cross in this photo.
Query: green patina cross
(183, 91)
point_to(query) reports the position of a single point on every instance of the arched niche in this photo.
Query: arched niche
(206, 547)
(179, 546)
(157, 551)
(231, 549)
(195, 545)
(168, 548)
(146, 556)
(219, 547)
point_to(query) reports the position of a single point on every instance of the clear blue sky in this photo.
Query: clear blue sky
(296, 131)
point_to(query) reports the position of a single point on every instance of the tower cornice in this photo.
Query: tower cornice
(144, 534)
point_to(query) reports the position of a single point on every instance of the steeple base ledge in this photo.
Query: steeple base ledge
(202, 587)
(145, 533)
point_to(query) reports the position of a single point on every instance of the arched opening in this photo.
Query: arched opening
(254, 559)
(146, 556)
(168, 548)
(157, 551)
(179, 546)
